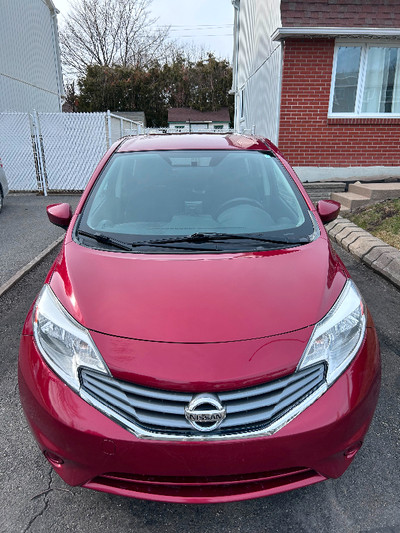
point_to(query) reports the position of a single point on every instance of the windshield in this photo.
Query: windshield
(145, 196)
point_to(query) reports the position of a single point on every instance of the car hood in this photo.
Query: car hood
(191, 298)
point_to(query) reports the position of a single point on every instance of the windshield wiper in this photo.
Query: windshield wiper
(167, 243)
(216, 236)
(195, 238)
(105, 239)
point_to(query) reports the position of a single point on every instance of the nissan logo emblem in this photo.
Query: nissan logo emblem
(205, 412)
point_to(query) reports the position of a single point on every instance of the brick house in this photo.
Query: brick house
(322, 80)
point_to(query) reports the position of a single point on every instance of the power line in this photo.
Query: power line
(208, 35)
(197, 25)
(200, 27)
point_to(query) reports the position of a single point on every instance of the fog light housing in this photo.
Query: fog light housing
(53, 458)
(352, 450)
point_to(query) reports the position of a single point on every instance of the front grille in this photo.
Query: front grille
(163, 412)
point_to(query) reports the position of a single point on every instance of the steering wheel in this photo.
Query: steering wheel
(238, 201)
(105, 223)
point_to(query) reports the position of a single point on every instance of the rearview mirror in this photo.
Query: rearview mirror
(328, 210)
(59, 214)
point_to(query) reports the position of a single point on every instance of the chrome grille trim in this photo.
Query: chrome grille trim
(159, 414)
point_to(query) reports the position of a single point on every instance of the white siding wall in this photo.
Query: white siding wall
(259, 68)
(30, 76)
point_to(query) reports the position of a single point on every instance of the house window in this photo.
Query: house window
(179, 127)
(218, 127)
(366, 80)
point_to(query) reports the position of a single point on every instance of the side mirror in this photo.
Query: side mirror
(59, 214)
(328, 210)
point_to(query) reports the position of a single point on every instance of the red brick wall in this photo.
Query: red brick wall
(306, 136)
(345, 13)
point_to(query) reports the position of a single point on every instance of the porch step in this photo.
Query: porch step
(376, 191)
(350, 200)
(362, 194)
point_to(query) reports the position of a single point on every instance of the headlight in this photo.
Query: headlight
(62, 341)
(338, 336)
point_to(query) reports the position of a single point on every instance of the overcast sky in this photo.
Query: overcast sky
(206, 23)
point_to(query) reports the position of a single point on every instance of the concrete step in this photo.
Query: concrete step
(322, 190)
(350, 200)
(376, 191)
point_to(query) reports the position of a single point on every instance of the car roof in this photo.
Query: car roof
(175, 141)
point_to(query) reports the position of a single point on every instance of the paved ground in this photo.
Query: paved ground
(22, 242)
(365, 500)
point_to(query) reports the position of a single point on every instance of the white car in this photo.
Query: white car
(3, 185)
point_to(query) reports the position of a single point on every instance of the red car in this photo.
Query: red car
(197, 339)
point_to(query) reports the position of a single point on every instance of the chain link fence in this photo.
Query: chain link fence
(17, 151)
(73, 144)
(57, 151)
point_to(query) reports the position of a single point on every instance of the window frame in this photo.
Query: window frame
(365, 46)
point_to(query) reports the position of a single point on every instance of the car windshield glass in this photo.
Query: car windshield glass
(142, 197)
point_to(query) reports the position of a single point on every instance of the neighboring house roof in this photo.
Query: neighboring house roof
(186, 114)
(343, 13)
(135, 116)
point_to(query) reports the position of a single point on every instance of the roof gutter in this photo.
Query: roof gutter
(57, 54)
(377, 33)
(52, 7)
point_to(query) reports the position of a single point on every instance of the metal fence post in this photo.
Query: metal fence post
(109, 128)
(38, 142)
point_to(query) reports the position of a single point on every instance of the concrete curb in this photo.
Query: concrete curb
(21, 273)
(375, 253)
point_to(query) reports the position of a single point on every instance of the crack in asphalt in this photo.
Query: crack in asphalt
(45, 502)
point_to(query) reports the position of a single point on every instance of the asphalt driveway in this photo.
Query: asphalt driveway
(25, 230)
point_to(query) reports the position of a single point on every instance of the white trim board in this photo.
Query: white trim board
(346, 173)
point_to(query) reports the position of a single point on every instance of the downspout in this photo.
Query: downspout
(57, 55)
(278, 107)
(235, 61)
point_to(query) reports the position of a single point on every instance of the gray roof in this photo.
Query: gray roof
(186, 114)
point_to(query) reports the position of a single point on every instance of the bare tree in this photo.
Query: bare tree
(111, 32)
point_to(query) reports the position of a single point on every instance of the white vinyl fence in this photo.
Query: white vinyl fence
(57, 151)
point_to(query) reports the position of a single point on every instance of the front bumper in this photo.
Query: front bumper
(87, 448)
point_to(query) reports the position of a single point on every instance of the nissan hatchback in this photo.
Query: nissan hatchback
(197, 339)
